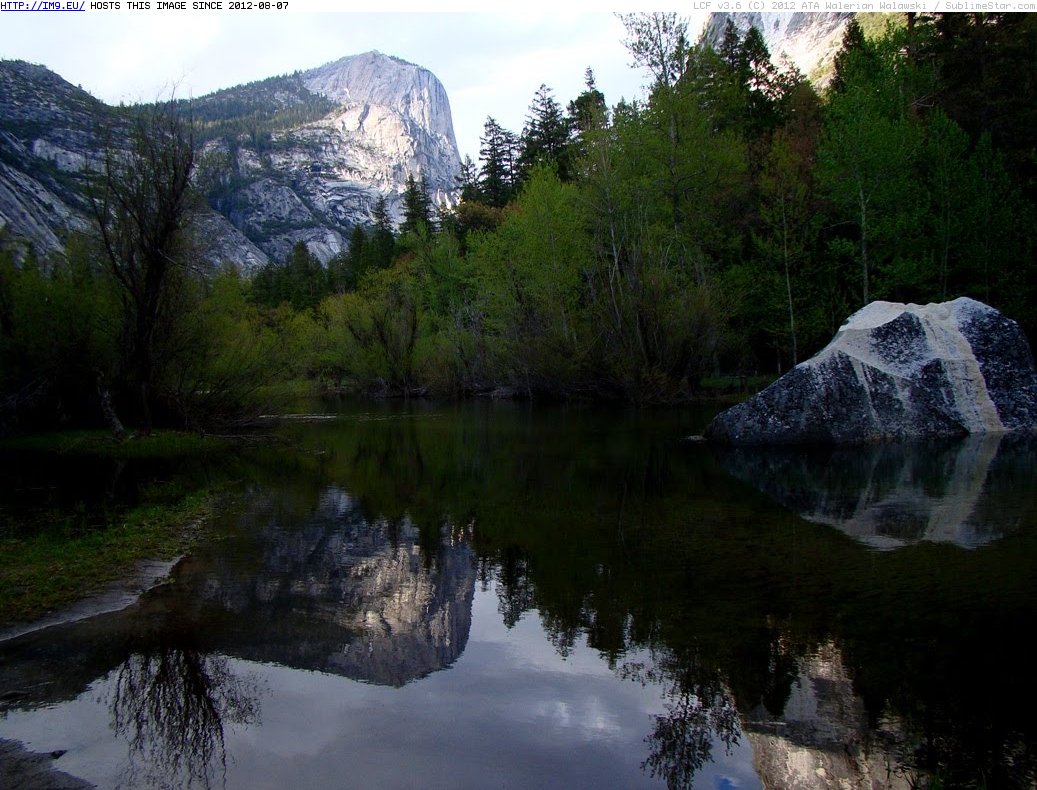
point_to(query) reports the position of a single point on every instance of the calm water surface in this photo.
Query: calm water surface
(493, 595)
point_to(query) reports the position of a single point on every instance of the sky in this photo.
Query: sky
(491, 64)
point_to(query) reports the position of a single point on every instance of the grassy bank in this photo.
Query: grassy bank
(49, 559)
(55, 568)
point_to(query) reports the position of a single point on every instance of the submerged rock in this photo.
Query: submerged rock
(896, 371)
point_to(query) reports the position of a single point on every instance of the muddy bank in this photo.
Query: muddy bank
(33, 771)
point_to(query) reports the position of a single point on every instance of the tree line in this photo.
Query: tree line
(728, 223)
(725, 224)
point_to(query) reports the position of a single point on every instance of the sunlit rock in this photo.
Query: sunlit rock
(809, 40)
(300, 158)
(896, 371)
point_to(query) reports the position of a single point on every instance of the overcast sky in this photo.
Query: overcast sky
(490, 63)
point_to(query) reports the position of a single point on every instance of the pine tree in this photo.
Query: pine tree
(468, 181)
(306, 278)
(383, 241)
(545, 137)
(854, 48)
(588, 110)
(417, 206)
(497, 175)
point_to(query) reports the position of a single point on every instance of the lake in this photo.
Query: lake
(502, 595)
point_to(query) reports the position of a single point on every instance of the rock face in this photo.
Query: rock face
(896, 371)
(337, 138)
(46, 139)
(809, 40)
(395, 109)
(49, 141)
(298, 158)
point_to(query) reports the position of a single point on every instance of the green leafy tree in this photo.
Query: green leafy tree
(57, 339)
(530, 273)
(787, 219)
(659, 43)
(867, 161)
(945, 156)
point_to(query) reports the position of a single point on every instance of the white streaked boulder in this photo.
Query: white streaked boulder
(896, 371)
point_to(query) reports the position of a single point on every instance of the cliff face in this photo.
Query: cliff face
(302, 157)
(46, 140)
(342, 136)
(809, 40)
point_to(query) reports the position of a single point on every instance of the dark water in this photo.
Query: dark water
(493, 595)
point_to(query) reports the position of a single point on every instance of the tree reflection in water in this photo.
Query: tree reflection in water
(699, 712)
(172, 703)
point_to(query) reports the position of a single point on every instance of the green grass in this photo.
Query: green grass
(51, 558)
(54, 568)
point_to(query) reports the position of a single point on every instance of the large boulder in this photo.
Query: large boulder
(896, 371)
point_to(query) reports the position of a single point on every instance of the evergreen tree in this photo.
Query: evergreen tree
(417, 207)
(731, 47)
(382, 244)
(761, 84)
(987, 63)
(468, 180)
(306, 278)
(854, 50)
(545, 136)
(497, 176)
(588, 110)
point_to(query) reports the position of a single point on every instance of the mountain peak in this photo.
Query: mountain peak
(373, 78)
(298, 158)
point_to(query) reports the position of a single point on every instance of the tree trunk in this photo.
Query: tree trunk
(110, 417)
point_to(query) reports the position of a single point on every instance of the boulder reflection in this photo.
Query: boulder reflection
(967, 492)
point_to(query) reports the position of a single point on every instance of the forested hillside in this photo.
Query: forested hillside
(726, 224)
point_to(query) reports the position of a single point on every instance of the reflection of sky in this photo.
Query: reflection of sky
(510, 712)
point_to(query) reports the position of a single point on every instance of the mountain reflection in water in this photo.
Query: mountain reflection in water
(335, 592)
(563, 598)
